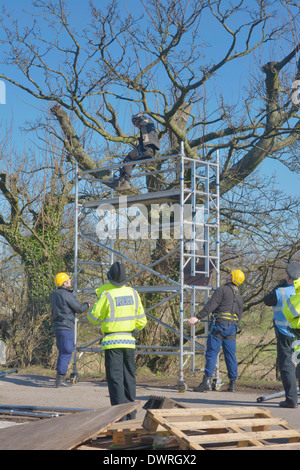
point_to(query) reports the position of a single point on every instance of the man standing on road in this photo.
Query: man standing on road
(64, 307)
(226, 304)
(120, 312)
(277, 299)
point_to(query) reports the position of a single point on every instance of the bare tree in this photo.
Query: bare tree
(157, 62)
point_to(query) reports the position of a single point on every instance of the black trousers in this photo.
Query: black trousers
(135, 156)
(120, 375)
(287, 367)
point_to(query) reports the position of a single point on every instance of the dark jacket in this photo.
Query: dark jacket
(148, 134)
(226, 299)
(271, 298)
(64, 306)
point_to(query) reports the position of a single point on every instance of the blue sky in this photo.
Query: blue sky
(20, 106)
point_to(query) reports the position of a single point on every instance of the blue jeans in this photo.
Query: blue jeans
(229, 348)
(65, 342)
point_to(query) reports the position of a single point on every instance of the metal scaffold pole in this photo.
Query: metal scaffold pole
(217, 382)
(181, 385)
(196, 249)
(74, 375)
(76, 232)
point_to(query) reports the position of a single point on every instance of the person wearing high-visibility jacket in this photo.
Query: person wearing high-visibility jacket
(120, 312)
(277, 299)
(291, 312)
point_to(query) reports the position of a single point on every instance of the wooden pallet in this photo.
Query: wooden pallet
(225, 428)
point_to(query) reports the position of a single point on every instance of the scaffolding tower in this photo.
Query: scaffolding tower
(187, 213)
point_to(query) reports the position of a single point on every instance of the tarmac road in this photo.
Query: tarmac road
(34, 390)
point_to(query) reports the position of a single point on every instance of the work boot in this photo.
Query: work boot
(60, 381)
(120, 184)
(287, 404)
(205, 385)
(232, 386)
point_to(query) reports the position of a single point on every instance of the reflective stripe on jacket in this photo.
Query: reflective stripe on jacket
(120, 312)
(280, 321)
(227, 317)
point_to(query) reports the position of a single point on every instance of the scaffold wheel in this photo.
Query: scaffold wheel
(74, 378)
(181, 386)
(216, 384)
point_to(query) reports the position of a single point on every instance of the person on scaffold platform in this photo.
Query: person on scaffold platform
(148, 144)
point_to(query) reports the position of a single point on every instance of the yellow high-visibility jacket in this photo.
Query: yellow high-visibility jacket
(291, 309)
(120, 311)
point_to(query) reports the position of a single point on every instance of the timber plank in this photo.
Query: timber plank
(289, 446)
(223, 423)
(225, 410)
(131, 425)
(245, 436)
(134, 425)
(62, 433)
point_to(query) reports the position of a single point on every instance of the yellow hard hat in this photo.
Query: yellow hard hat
(238, 277)
(60, 278)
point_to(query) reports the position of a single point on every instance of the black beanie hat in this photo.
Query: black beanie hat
(117, 274)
